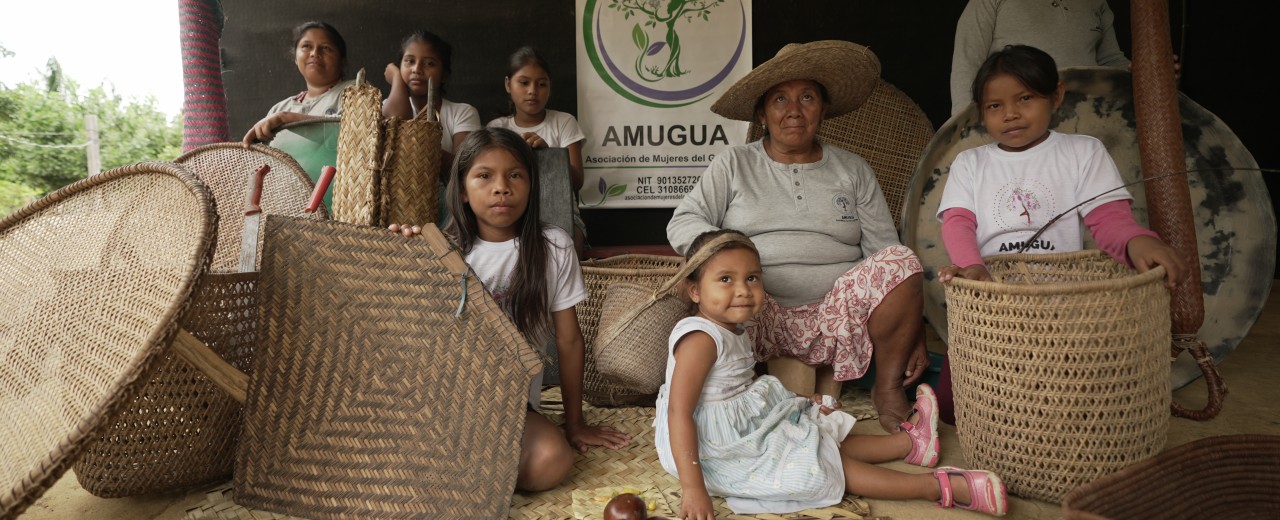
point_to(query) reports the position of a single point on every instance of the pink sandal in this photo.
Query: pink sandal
(925, 444)
(986, 491)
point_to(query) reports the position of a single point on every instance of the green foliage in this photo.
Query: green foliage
(43, 129)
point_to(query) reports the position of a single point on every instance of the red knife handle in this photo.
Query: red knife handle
(255, 196)
(322, 186)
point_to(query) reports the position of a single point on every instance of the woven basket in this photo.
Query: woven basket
(378, 390)
(95, 277)
(890, 131)
(648, 271)
(1060, 372)
(388, 170)
(356, 187)
(631, 349)
(180, 430)
(1228, 476)
(411, 171)
(225, 168)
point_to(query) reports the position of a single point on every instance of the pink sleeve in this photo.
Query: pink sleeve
(1113, 227)
(960, 237)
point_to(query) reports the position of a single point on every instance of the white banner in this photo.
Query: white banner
(648, 73)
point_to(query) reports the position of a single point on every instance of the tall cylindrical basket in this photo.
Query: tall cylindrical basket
(1060, 369)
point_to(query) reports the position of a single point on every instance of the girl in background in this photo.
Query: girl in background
(528, 82)
(998, 195)
(425, 56)
(532, 273)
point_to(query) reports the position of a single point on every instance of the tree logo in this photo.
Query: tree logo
(646, 68)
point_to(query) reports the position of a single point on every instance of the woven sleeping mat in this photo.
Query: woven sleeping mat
(373, 396)
(180, 430)
(95, 277)
(635, 465)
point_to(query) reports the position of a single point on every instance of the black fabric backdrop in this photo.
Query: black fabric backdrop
(1225, 50)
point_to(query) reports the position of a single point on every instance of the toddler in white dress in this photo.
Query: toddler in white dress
(723, 431)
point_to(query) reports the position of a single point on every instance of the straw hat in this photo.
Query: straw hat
(848, 71)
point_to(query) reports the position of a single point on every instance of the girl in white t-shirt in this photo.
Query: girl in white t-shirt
(528, 82)
(999, 195)
(426, 56)
(533, 274)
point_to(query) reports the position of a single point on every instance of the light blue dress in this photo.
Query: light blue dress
(760, 446)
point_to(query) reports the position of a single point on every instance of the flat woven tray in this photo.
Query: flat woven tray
(95, 277)
(635, 465)
(372, 395)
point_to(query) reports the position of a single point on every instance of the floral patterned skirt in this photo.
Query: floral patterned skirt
(834, 330)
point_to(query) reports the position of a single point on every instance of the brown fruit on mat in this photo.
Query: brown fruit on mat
(626, 506)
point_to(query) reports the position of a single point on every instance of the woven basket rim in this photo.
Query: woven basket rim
(1170, 457)
(307, 122)
(1126, 282)
(604, 265)
(276, 153)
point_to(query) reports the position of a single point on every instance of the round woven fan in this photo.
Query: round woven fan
(95, 276)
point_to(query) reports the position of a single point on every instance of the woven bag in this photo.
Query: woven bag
(1225, 476)
(1060, 368)
(644, 270)
(95, 278)
(635, 323)
(389, 170)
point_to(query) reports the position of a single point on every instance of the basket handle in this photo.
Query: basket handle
(1213, 380)
(230, 379)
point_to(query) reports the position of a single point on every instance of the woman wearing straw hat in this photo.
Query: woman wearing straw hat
(840, 284)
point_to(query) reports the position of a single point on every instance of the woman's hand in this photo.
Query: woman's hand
(265, 129)
(582, 436)
(405, 229)
(696, 505)
(974, 272)
(534, 141)
(1147, 252)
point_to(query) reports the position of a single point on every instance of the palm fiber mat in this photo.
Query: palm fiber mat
(635, 465)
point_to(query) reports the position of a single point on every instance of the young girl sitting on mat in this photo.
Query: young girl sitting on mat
(528, 82)
(531, 270)
(1000, 194)
(723, 431)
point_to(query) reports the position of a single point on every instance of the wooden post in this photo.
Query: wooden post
(91, 138)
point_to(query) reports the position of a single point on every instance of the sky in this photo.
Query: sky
(132, 45)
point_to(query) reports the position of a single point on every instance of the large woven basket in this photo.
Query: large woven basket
(1227, 476)
(631, 346)
(648, 271)
(387, 383)
(180, 430)
(95, 277)
(1060, 369)
(388, 170)
(890, 131)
